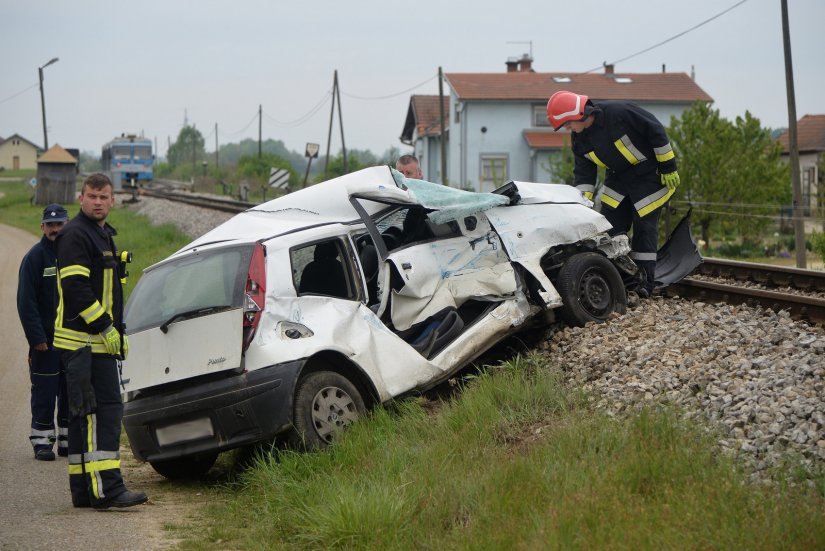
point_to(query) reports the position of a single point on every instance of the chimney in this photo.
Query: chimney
(608, 69)
(512, 65)
(525, 64)
(663, 68)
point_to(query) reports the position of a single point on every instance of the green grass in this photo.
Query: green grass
(148, 243)
(516, 461)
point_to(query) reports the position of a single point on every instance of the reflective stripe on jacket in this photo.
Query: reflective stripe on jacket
(633, 147)
(90, 297)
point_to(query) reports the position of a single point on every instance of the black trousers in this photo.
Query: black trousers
(48, 387)
(644, 240)
(94, 436)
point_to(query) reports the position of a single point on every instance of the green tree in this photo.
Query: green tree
(355, 161)
(560, 164)
(730, 172)
(187, 149)
(257, 169)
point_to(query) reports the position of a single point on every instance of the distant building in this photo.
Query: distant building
(496, 124)
(810, 131)
(18, 153)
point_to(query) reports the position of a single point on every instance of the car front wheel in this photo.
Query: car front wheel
(591, 288)
(325, 403)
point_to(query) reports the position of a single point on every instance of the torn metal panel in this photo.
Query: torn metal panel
(528, 231)
(447, 273)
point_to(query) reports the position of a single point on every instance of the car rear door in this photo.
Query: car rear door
(185, 317)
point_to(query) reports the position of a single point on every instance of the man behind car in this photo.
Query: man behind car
(408, 166)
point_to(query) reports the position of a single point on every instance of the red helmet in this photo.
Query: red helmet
(565, 106)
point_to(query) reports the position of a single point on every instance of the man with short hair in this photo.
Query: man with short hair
(408, 166)
(89, 330)
(36, 306)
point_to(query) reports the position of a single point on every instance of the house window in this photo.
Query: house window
(493, 171)
(540, 115)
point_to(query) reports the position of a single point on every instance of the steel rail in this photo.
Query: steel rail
(801, 307)
(764, 274)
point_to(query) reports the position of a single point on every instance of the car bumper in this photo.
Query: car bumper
(213, 416)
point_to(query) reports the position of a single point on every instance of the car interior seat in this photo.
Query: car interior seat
(325, 275)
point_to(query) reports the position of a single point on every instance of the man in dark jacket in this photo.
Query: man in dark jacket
(633, 148)
(36, 305)
(89, 330)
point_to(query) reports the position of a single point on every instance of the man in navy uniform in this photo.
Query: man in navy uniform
(36, 305)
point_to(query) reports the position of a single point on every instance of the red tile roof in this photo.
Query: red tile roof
(422, 116)
(547, 139)
(649, 87)
(428, 113)
(810, 134)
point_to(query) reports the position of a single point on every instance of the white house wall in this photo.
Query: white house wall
(505, 122)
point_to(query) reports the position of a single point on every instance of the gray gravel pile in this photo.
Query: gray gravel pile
(191, 220)
(756, 374)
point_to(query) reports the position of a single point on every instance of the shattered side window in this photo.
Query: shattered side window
(322, 269)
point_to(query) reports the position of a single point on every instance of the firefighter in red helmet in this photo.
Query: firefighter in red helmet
(640, 166)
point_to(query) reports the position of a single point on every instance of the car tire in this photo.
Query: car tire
(591, 288)
(187, 467)
(325, 403)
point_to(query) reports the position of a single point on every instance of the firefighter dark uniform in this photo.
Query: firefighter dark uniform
(631, 144)
(90, 301)
(36, 306)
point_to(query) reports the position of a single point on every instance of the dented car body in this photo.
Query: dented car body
(295, 316)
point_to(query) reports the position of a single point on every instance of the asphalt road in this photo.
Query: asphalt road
(35, 506)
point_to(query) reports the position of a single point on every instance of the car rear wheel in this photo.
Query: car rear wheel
(591, 288)
(325, 403)
(186, 467)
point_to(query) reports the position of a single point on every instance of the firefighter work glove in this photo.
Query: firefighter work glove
(111, 340)
(125, 347)
(671, 180)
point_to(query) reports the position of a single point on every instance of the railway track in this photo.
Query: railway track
(175, 191)
(800, 292)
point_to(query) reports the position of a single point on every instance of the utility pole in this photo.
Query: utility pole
(43, 101)
(443, 138)
(793, 145)
(341, 121)
(217, 166)
(260, 117)
(336, 93)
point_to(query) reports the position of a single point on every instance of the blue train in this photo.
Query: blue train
(128, 160)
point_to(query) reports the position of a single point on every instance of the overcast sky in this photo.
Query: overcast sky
(141, 67)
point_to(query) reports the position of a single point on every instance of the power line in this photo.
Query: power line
(674, 37)
(396, 94)
(303, 118)
(35, 85)
(233, 134)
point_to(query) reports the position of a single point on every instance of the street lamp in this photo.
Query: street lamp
(43, 102)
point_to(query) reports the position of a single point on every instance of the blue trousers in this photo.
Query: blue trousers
(48, 387)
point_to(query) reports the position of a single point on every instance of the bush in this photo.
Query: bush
(738, 250)
(817, 244)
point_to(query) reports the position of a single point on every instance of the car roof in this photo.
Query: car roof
(329, 203)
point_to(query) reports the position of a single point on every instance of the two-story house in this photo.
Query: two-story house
(810, 134)
(496, 124)
(18, 153)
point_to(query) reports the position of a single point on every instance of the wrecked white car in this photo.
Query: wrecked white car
(294, 317)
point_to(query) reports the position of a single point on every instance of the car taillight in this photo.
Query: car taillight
(254, 294)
